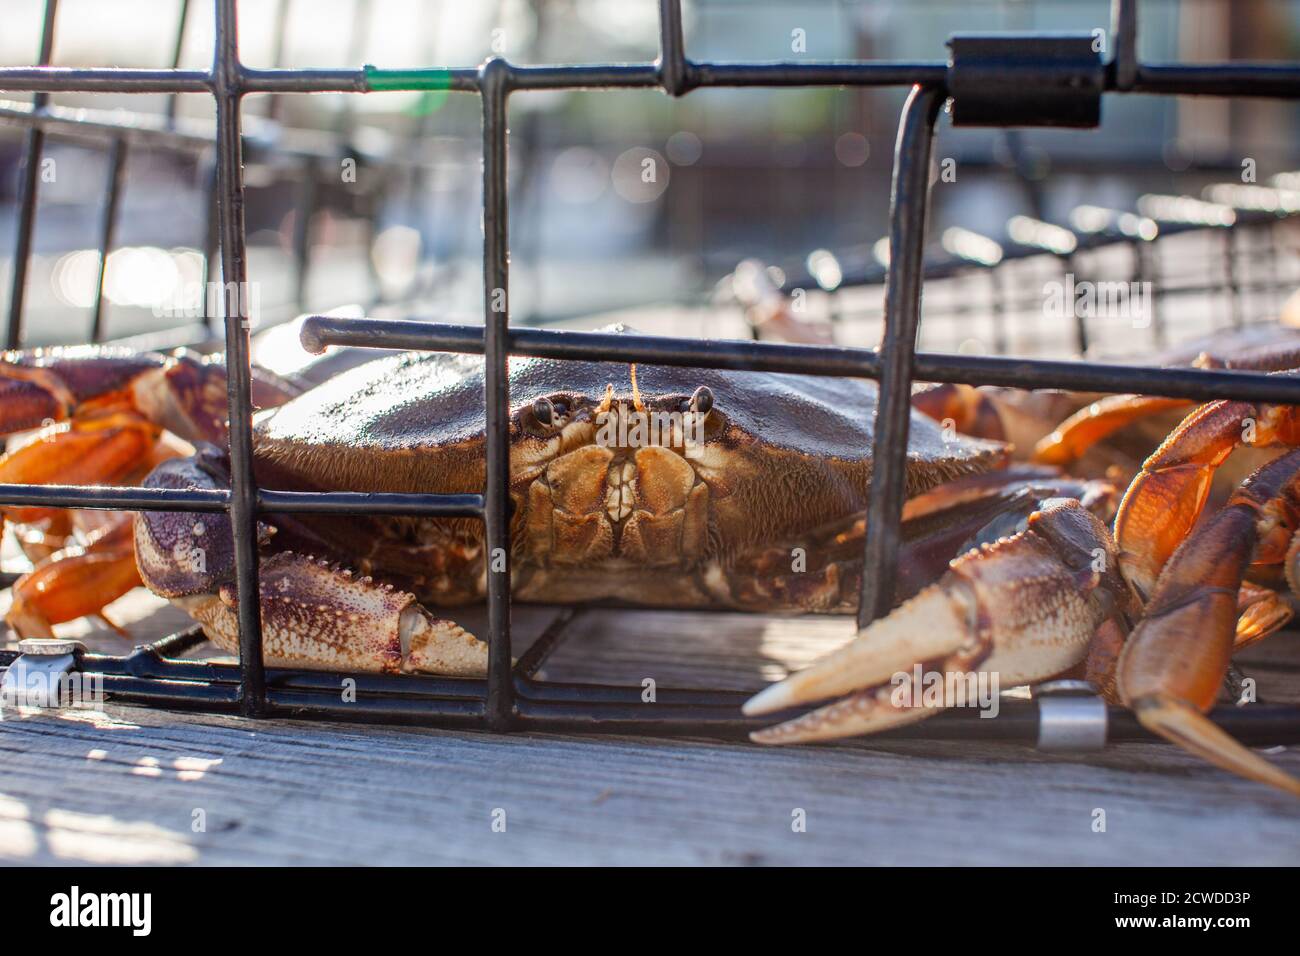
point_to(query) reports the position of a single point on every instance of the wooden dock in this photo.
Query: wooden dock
(137, 785)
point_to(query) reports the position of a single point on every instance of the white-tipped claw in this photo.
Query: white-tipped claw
(930, 626)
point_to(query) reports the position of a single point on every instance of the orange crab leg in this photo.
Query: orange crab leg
(87, 451)
(1166, 498)
(1173, 664)
(77, 582)
(1095, 422)
(971, 411)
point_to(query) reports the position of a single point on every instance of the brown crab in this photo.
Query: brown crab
(648, 485)
(1193, 581)
(706, 505)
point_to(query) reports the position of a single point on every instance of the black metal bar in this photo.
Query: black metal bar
(234, 275)
(47, 44)
(100, 125)
(813, 73)
(277, 53)
(211, 238)
(1220, 79)
(1230, 283)
(28, 184)
(272, 501)
(299, 81)
(112, 199)
(369, 502)
(1123, 34)
(907, 220)
(1001, 344)
(173, 101)
(80, 79)
(319, 331)
(673, 67)
(112, 499)
(494, 80)
(532, 660)
(307, 190)
(1144, 272)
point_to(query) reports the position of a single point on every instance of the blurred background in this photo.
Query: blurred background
(797, 179)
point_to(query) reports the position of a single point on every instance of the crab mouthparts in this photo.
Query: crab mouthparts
(620, 489)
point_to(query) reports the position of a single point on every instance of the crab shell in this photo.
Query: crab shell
(597, 513)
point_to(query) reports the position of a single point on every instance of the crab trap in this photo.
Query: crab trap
(1005, 81)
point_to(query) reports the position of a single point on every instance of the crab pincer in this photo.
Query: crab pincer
(1174, 662)
(1021, 610)
(315, 612)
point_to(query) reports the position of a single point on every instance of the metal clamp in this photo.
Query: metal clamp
(38, 675)
(1025, 80)
(1071, 717)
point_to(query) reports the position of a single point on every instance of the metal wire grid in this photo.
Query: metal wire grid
(1240, 267)
(510, 697)
(263, 136)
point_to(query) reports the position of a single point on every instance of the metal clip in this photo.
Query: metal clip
(1071, 717)
(36, 677)
(1025, 80)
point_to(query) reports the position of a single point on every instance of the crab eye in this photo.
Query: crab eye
(544, 411)
(702, 400)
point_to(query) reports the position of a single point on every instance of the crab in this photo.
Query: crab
(1104, 434)
(99, 415)
(637, 484)
(1168, 603)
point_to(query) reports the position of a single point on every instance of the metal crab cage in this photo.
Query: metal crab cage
(1002, 81)
(1242, 267)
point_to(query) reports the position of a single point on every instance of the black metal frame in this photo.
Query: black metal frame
(511, 697)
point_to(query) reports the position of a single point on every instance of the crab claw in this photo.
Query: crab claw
(314, 613)
(1173, 664)
(1022, 610)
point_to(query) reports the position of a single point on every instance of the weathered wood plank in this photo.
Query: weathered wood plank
(124, 787)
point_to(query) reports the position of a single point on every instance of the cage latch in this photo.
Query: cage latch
(37, 677)
(1071, 717)
(1025, 79)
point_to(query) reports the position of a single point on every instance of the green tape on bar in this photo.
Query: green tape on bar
(433, 85)
(387, 81)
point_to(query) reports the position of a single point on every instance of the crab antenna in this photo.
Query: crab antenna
(636, 392)
(607, 401)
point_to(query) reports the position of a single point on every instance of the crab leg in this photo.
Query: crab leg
(1096, 422)
(1166, 498)
(76, 582)
(1261, 612)
(98, 449)
(1023, 609)
(1010, 415)
(1173, 664)
(183, 392)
